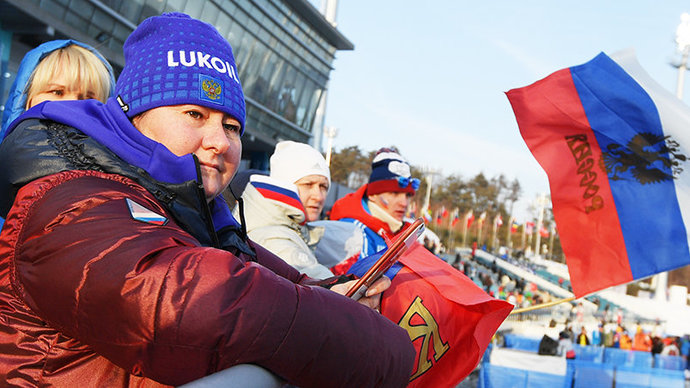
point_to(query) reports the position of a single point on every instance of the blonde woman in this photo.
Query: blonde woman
(58, 70)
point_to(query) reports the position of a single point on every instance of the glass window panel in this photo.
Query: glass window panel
(231, 8)
(81, 8)
(193, 8)
(274, 85)
(247, 47)
(270, 70)
(263, 35)
(151, 8)
(251, 26)
(54, 8)
(235, 38)
(102, 21)
(131, 10)
(74, 20)
(223, 23)
(241, 17)
(175, 5)
(112, 4)
(121, 32)
(286, 105)
(251, 68)
(311, 110)
(261, 87)
(302, 97)
(93, 31)
(210, 12)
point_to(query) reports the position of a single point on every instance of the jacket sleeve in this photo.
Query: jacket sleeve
(291, 249)
(154, 302)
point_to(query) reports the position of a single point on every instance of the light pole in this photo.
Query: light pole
(683, 46)
(428, 174)
(330, 133)
(541, 202)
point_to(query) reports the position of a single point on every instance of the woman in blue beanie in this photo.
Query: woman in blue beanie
(120, 263)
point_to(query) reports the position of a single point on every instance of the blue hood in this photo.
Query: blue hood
(16, 100)
(109, 126)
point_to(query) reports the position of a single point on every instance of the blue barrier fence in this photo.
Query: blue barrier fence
(521, 343)
(600, 354)
(589, 353)
(593, 367)
(590, 374)
(623, 357)
(669, 362)
(494, 376)
(582, 374)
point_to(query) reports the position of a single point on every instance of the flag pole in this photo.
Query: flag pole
(543, 305)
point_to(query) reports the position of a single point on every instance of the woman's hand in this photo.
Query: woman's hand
(372, 298)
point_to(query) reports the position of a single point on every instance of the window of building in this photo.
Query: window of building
(315, 93)
(175, 5)
(210, 13)
(193, 8)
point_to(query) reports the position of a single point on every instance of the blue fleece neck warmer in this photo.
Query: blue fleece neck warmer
(108, 125)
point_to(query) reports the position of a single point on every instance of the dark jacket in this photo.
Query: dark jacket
(96, 292)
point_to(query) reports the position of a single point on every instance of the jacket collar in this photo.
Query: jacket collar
(350, 206)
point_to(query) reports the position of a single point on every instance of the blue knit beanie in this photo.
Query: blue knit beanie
(390, 172)
(173, 59)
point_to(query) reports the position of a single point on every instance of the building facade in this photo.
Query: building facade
(284, 51)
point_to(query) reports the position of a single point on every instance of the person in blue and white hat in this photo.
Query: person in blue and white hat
(120, 262)
(379, 207)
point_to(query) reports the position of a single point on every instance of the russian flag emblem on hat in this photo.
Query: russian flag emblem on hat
(141, 213)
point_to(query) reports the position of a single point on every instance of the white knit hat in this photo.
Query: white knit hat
(292, 161)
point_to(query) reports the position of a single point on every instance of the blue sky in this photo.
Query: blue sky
(431, 77)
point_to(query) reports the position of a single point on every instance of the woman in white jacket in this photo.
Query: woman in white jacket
(279, 209)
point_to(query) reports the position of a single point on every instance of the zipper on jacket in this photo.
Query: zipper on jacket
(208, 218)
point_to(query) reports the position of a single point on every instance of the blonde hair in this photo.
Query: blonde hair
(80, 66)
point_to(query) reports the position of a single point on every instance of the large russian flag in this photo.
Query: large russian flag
(614, 145)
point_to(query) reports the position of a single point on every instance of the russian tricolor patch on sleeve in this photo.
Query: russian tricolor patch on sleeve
(141, 213)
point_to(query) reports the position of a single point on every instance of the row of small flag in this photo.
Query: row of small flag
(442, 214)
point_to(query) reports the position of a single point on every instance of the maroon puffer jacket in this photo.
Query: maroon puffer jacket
(90, 296)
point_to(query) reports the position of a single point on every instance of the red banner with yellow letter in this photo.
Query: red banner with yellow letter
(450, 319)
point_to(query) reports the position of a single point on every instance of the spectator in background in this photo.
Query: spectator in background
(429, 245)
(58, 70)
(641, 341)
(670, 347)
(657, 345)
(279, 207)
(565, 346)
(378, 207)
(582, 338)
(598, 335)
(625, 342)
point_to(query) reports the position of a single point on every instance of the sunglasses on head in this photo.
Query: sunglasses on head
(404, 182)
